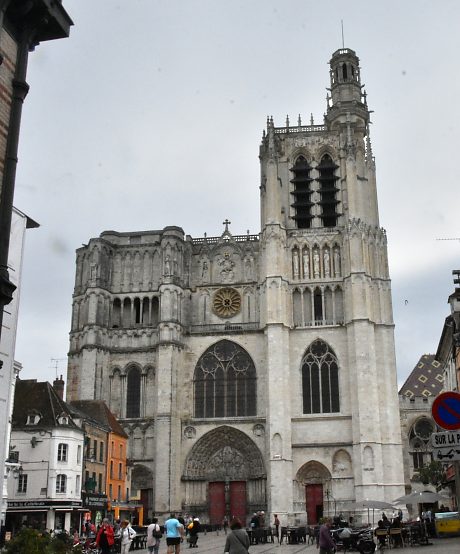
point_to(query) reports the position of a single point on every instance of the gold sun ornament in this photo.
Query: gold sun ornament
(227, 302)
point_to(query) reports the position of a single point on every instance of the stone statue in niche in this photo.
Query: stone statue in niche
(295, 263)
(316, 269)
(205, 271)
(327, 263)
(248, 269)
(226, 264)
(337, 261)
(306, 264)
(167, 265)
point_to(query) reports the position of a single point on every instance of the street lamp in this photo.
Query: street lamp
(330, 497)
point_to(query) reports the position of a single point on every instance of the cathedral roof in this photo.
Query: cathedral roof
(98, 410)
(425, 379)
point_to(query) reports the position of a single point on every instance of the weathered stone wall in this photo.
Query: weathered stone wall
(8, 50)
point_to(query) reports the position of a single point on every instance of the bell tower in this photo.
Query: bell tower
(326, 288)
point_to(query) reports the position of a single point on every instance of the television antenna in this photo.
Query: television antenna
(55, 364)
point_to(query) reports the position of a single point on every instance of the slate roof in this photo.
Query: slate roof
(32, 397)
(98, 410)
(426, 379)
(87, 418)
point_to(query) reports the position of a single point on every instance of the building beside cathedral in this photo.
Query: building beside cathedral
(255, 372)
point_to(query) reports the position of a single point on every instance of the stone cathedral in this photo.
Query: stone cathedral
(255, 372)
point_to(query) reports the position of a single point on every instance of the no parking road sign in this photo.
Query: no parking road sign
(446, 410)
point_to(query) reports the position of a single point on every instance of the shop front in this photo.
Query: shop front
(126, 510)
(95, 506)
(51, 515)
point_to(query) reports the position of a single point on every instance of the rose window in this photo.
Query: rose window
(227, 302)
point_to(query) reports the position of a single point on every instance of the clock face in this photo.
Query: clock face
(227, 302)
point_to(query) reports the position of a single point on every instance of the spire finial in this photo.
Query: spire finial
(287, 120)
(311, 119)
(369, 155)
(343, 36)
(299, 121)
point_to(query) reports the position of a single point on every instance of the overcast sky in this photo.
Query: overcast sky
(151, 114)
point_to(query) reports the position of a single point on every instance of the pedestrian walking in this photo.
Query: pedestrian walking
(325, 542)
(277, 527)
(127, 535)
(105, 537)
(154, 535)
(174, 534)
(237, 540)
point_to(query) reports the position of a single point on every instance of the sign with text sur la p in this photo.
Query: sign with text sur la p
(447, 439)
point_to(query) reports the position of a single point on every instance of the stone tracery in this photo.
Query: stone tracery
(224, 453)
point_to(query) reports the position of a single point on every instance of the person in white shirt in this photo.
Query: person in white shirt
(154, 535)
(127, 535)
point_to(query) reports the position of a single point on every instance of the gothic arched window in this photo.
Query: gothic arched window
(133, 393)
(419, 442)
(320, 379)
(328, 191)
(302, 192)
(225, 382)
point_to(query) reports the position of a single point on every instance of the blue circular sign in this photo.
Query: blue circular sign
(446, 410)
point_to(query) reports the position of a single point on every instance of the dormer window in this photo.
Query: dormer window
(63, 419)
(33, 419)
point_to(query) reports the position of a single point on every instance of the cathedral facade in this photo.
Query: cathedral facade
(255, 372)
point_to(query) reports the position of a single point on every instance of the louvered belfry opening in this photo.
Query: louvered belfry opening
(302, 193)
(328, 191)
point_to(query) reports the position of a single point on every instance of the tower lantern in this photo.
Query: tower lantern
(345, 76)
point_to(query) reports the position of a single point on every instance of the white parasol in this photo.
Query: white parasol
(424, 497)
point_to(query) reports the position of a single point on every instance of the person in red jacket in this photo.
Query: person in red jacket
(105, 537)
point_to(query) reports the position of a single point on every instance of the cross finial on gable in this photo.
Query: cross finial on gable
(226, 223)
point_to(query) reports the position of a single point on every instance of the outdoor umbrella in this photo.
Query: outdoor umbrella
(371, 505)
(424, 497)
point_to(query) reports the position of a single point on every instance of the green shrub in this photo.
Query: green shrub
(31, 541)
(28, 541)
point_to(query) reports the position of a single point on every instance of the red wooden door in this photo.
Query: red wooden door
(314, 501)
(216, 497)
(238, 500)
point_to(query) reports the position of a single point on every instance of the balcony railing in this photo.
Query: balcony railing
(225, 327)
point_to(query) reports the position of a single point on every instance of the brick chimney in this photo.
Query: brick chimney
(58, 386)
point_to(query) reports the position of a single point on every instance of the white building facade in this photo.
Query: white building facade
(9, 368)
(255, 372)
(48, 446)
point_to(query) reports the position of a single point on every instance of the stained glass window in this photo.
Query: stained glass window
(225, 382)
(320, 379)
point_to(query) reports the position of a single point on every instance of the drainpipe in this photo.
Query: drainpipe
(20, 90)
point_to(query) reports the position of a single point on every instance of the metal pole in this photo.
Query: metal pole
(457, 483)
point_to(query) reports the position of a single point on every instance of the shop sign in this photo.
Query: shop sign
(94, 500)
(43, 503)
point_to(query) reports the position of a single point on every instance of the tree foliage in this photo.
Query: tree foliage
(433, 474)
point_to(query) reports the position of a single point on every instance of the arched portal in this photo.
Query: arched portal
(224, 475)
(142, 484)
(313, 484)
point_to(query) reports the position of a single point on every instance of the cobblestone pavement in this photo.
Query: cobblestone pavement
(214, 544)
